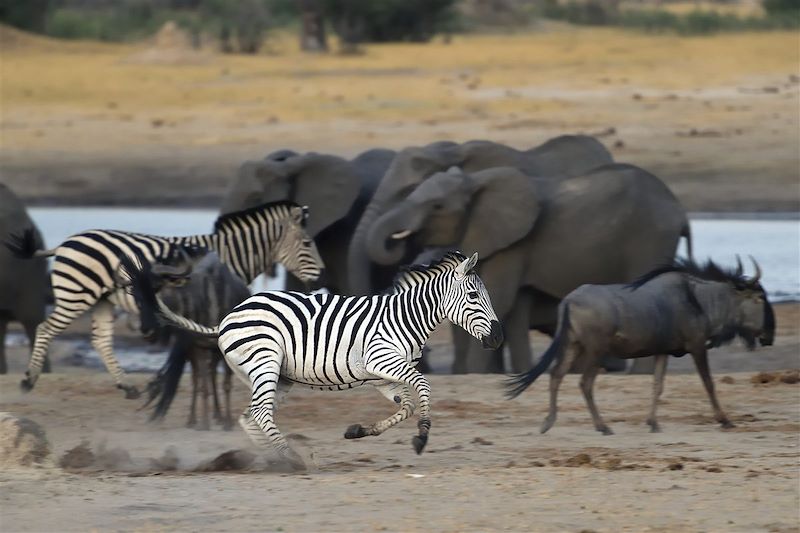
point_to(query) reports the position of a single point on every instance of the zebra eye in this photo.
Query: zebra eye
(472, 295)
(306, 242)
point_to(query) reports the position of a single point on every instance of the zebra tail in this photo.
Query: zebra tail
(164, 385)
(171, 318)
(24, 246)
(516, 384)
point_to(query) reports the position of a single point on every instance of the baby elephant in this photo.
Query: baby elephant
(678, 309)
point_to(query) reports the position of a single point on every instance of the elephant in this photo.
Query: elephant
(538, 238)
(24, 285)
(335, 189)
(563, 156)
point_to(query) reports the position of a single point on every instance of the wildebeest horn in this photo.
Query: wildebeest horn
(739, 269)
(758, 271)
(160, 269)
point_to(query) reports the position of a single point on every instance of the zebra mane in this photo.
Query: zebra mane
(412, 275)
(226, 219)
(710, 271)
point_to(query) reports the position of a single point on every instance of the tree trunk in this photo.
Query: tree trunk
(312, 27)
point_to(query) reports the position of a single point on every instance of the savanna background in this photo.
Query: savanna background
(157, 103)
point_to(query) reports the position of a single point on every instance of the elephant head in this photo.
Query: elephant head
(571, 154)
(327, 184)
(485, 212)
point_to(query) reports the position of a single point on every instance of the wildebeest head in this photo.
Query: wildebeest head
(756, 319)
(143, 281)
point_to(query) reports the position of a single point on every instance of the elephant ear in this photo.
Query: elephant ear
(327, 184)
(256, 183)
(504, 210)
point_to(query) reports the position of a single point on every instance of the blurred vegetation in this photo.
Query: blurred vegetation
(243, 25)
(779, 14)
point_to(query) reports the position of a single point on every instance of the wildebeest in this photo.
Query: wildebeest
(674, 310)
(206, 296)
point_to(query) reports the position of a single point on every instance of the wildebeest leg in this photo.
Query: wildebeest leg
(3, 365)
(460, 349)
(557, 374)
(394, 392)
(587, 386)
(701, 362)
(227, 423)
(658, 387)
(213, 362)
(30, 331)
(516, 327)
(202, 382)
(192, 421)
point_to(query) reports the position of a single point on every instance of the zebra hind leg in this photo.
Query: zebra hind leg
(102, 341)
(395, 392)
(260, 424)
(56, 322)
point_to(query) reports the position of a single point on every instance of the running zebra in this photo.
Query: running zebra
(85, 270)
(274, 340)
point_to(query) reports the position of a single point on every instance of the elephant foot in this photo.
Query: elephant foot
(419, 443)
(131, 392)
(356, 431)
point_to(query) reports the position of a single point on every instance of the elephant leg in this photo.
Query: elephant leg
(3, 327)
(516, 327)
(460, 347)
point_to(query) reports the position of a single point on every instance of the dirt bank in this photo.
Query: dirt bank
(715, 117)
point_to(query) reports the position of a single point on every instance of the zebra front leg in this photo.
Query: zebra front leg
(56, 322)
(395, 392)
(397, 370)
(102, 341)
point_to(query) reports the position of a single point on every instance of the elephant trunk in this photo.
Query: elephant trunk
(359, 268)
(387, 237)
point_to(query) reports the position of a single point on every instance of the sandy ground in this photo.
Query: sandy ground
(715, 117)
(486, 467)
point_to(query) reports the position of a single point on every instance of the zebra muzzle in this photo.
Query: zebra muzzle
(495, 338)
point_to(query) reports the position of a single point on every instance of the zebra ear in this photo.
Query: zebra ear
(466, 266)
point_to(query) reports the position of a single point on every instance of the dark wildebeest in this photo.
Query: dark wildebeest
(678, 309)
(209, 293)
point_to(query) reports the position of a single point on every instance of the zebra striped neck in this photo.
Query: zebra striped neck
(421, 304)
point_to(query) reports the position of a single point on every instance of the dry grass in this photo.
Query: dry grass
(396, 81)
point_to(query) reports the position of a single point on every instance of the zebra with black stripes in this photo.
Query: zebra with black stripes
(85, 270)
(276, 339)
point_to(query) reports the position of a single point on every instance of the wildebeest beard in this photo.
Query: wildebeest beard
(729, 333)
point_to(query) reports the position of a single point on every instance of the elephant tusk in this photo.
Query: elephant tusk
(401, 234)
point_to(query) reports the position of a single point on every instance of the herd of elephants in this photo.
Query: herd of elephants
(544, 221)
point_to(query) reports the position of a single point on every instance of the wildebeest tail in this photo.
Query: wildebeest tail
(164, 385)
(519, 382)
(25, 246)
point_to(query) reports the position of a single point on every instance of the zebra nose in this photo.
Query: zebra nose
(495, 338)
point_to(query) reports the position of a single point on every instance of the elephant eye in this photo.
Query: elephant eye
(472, 295)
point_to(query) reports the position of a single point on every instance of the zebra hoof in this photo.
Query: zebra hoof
(419, 443)
(131, 392)
(26, 385)
(356, 431)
